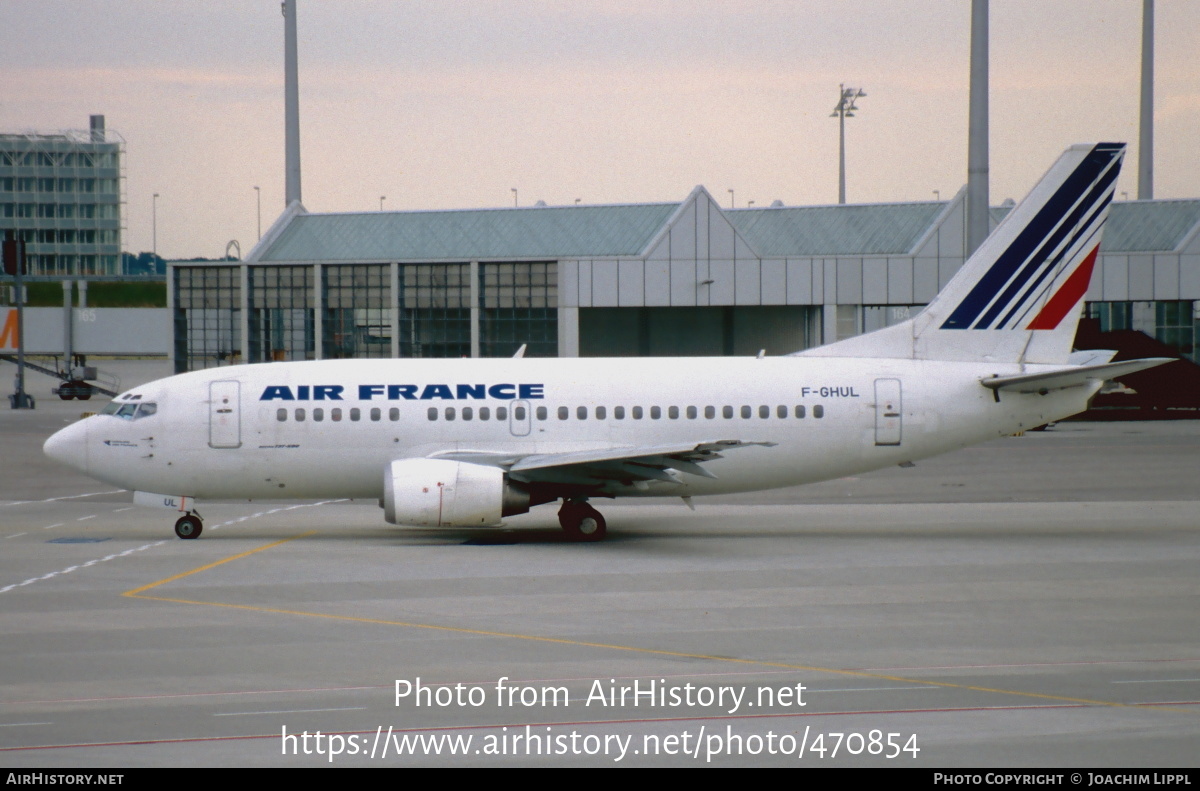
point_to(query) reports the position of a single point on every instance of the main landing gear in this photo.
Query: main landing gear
(189, 525)
(581, 521)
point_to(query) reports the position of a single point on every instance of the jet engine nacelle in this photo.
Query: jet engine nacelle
(444, 493)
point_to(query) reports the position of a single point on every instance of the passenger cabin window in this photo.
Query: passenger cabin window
(542, 413)
(655, 412)
(376, 414)
(432, 413)
(485, 413)
(600, 413)
(619, 412)
(581, 412)
(818, 411)
(637, 413)
(563, 413)
(281, 415)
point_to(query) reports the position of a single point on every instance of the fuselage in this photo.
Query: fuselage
(330, 428)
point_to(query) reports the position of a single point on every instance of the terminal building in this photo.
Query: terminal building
(669, 279)
(61, 193)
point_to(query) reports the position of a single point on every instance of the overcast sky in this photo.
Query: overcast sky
(439, 105)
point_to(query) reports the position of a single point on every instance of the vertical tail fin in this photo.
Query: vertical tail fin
(1018, 297)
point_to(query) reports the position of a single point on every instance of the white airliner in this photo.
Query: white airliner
(467, 442)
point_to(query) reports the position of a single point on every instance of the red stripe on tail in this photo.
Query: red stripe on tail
(1067, 297)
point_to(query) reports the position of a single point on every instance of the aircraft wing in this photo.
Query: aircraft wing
(625, 465)
(1070, 377)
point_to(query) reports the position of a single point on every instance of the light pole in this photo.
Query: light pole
(382, 198)
(154, 230)
(258, 199)
(845, 109)
(730, 198)
(514, 192)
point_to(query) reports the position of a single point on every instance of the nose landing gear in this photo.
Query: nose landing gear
(189, 525)
(582, 522)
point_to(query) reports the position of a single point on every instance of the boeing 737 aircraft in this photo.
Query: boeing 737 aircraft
(467, 442)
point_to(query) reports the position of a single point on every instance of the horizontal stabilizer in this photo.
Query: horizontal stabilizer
(1070, 377)
(1091, 356)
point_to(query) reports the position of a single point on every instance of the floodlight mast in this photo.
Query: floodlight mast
(845, 109)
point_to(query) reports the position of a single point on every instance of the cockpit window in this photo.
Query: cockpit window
(130, 410)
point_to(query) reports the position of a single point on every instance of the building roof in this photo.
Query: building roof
(1141, 226)
(551, 233)
(491, 234)
(876, 229)
(1136, 226)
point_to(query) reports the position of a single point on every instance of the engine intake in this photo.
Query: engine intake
(444, 493)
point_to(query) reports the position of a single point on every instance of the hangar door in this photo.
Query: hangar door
(888, 412)
(224, 415)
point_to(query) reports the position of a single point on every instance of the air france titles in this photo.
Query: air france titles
(455, 392)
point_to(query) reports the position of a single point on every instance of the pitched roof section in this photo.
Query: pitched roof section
(1136, 226)
(879, 229)
(550, 233)
(1142, 226)
(491, 234)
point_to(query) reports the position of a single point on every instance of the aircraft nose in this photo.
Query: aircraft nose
(69, 446)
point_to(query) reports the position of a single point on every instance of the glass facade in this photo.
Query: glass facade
(520, 306)
(207, 317)
(432, 310)
(358, 316)
(1112, 315)
(435, 310)
(61, 193)
(1176, 325)
(281, 314)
